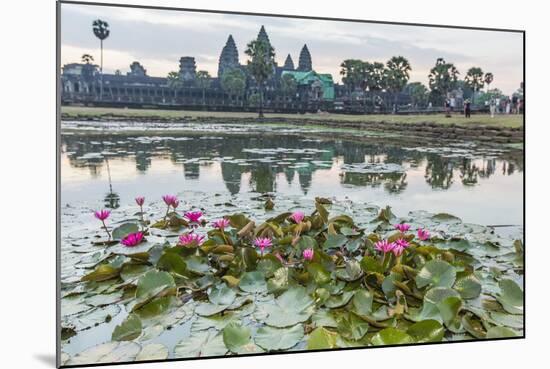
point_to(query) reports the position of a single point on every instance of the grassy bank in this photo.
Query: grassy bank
(505, 121)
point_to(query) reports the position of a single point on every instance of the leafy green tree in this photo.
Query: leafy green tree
(397, 74)
(174, 82)
(234, 82)
(474, 80)
(203, 81)
(443, 78)
(101, 31)
(261, 65)
(374, 78)
(418, 93)
(353, 73)
(288, 86)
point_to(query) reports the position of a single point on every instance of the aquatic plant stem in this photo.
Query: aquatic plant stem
(106, 230)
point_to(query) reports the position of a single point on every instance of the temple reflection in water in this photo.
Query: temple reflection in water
(291, 158)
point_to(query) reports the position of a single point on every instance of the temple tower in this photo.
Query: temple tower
(304, 63)
(188, 68)
(289, 63)
(262, 36)
(229, 58)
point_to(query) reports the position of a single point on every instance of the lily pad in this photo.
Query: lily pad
(292, 307)
(501, 332)
(436, 273)
(426, 331)
(153, 351)
(275, 339)
(321, 339)
(510, 296)
(201, 344)
(391, 336)
(106, 353)
(124, 230)
(253, 282)
(128, 330)
(238, 339)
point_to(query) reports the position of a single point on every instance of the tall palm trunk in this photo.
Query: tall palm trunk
(101, 72)
(261, 110)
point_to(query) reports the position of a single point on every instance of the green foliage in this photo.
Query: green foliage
(348, 294)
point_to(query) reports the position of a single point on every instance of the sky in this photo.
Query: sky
(158, 38)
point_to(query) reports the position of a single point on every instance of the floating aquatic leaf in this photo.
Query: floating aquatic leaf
(238, 340)
(510, 296)
(253, 282)
(426, 331)
(501, 332)
(275, 339)
(391, 336)
(109, 352)
(124, 230)
(153, 351)
(436, 273)
(201, 344)
(468, 286)
(322, 338)
(128, 330)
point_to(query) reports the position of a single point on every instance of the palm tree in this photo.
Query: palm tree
(397, 75)
(375, 78)
(261, 65)
(488, 79)
(87, 58)
(234, 82)
(174, 82)
(101, 31)
(352, 73)
(443, 78)
(203, 81)
(474, 80)
(288, 86)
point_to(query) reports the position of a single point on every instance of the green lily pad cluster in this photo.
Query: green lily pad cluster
(223, 297)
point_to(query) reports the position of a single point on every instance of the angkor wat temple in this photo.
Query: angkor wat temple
(310, 91)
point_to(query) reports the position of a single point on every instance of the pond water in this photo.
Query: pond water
(225, 168)
(480, 185)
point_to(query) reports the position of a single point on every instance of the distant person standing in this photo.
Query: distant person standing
(514, 104)
(492, 107)
(508, 106)
(467, 108)
(447, 108)
(497, 105)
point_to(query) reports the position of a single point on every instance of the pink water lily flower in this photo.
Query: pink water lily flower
(308, 254)
(297, 217)
(263, 243)
(404, 227)
(170, 200)
(193, 216)
(402, 242)
(384, 246)
(398, 249)
(140, 200)
(102, 214)
(133, 239)
(423, 234)
(175, 203)
(221, 224)
(400, 246)
(190, 238)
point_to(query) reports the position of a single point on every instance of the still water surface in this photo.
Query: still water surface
(480, 185)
